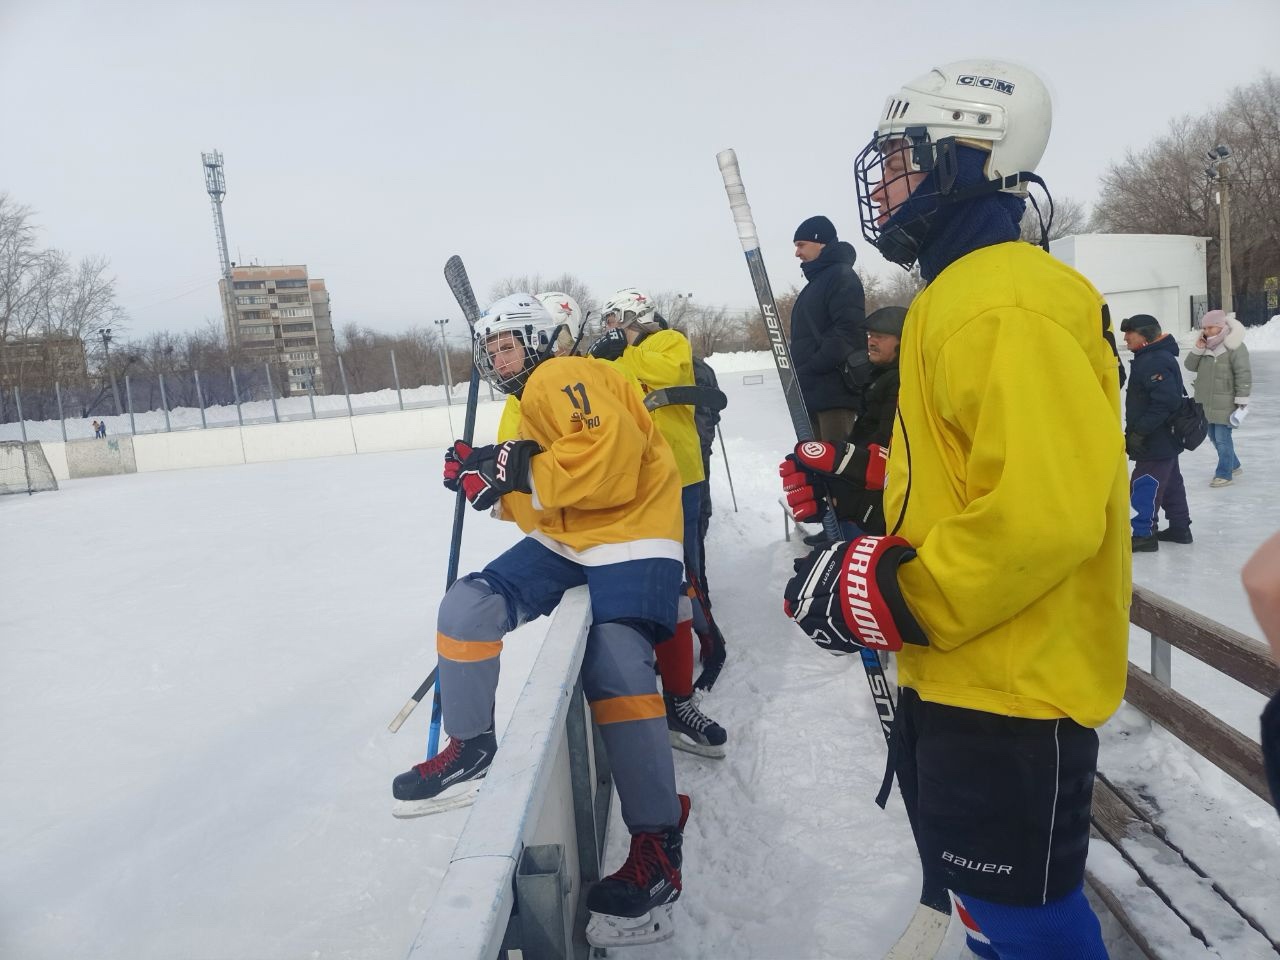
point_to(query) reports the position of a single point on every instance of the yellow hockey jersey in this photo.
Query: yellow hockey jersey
(665, 359)
(1008, 475)
(606, 487)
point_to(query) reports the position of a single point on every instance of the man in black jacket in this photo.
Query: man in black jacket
(850, 475)
(1153, 395)
(827, 331)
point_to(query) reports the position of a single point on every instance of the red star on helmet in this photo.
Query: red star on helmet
(641, 298)
(565, 307)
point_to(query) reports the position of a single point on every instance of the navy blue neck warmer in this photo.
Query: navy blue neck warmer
(961, 228)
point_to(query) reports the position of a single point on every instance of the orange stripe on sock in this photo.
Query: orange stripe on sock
(466, 651)
(646, 706)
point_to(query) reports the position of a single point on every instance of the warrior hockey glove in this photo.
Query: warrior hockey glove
(845, 460)
(486, 473)
(609, 346)
(845, 596)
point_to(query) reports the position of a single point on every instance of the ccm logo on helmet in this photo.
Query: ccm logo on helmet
(989, 83)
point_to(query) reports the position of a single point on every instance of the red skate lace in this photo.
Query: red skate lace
(441, 760)
(646, 856)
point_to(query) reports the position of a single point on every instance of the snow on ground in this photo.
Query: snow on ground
(197, 669)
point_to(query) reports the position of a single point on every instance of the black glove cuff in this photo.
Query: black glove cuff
(887, 582)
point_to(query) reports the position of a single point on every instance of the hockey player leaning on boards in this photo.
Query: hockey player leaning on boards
(657, 358)
(595, 488)
(1006, 567)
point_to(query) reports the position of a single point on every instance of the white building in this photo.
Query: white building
(1141, 273)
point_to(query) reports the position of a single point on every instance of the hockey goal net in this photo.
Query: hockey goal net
(24, 468)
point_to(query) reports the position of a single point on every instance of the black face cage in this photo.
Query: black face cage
(919, 155)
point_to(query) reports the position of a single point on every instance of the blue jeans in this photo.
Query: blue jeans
(1220, 434)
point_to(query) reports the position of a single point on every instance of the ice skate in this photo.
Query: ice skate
(447, 781)
(691, 730)
(633, 906)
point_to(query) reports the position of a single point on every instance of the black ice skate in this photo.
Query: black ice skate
(448, 780)
(633, 906)
(691, 730)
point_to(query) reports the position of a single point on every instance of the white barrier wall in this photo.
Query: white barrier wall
(260, 443)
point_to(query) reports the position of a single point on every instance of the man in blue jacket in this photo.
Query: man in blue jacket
(1153, 395)
(828, 331)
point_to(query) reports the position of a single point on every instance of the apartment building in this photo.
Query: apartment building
(281, 315)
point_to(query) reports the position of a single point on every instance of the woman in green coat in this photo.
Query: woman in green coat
(1220, 361)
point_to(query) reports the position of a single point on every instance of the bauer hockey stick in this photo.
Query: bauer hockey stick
(455, 274)
(929, 924)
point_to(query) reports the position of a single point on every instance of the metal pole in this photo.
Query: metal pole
(271, 389)
(396, 374)
(444, 376)
(62, 420)
(311, 395)
(725, 456)
(204, 424)
(128, 396)
(342, 372)
(22, 424)
(1224, 247)
(235, 392)
(164, 401)
(1161, 661)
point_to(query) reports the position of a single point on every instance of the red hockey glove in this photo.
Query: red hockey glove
(830, 459)
(846, 596)
(877, 462)
(486, 473)
(806, 497)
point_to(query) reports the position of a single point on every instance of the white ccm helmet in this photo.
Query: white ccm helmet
(992, 105)
(629, 305)
(520, 317)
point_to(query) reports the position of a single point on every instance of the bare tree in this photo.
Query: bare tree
(1070, 217)
(1164, 188)
(536, 283)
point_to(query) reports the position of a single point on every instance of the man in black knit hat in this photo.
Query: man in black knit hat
(827, 330)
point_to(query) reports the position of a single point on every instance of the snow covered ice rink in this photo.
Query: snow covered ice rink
(197, 669)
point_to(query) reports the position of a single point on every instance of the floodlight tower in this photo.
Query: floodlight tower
(216, 183)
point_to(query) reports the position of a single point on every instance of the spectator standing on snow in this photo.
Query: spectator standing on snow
(827, 330)
(1153, 395)
(1220, 361)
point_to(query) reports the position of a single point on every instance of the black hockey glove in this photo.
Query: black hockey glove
(1135, 444)
(486, 473)
(609, 346)
(845, 596)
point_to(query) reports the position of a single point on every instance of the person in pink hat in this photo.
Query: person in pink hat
(1220, 361)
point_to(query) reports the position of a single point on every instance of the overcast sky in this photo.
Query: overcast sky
(370, 141)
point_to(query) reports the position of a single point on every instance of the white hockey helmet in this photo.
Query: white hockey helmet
(628, 306)
(519, 319)
(991, 105)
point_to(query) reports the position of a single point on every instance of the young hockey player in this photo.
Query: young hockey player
(1006, 566)
(658, 358)
(594, 486)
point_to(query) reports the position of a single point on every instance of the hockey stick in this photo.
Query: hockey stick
(934, 898)
(455, 275)
(691, 395)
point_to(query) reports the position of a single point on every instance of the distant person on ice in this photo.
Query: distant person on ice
(1220, 361)
(1153, 394)
(1006, 568)
(596, 490)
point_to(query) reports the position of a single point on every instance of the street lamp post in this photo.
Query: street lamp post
(1217, 172)
(105, 334)
(446, 370)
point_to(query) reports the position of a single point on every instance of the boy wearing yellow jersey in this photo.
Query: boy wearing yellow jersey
(657, 358)
(1006, 566)
(595, 488)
